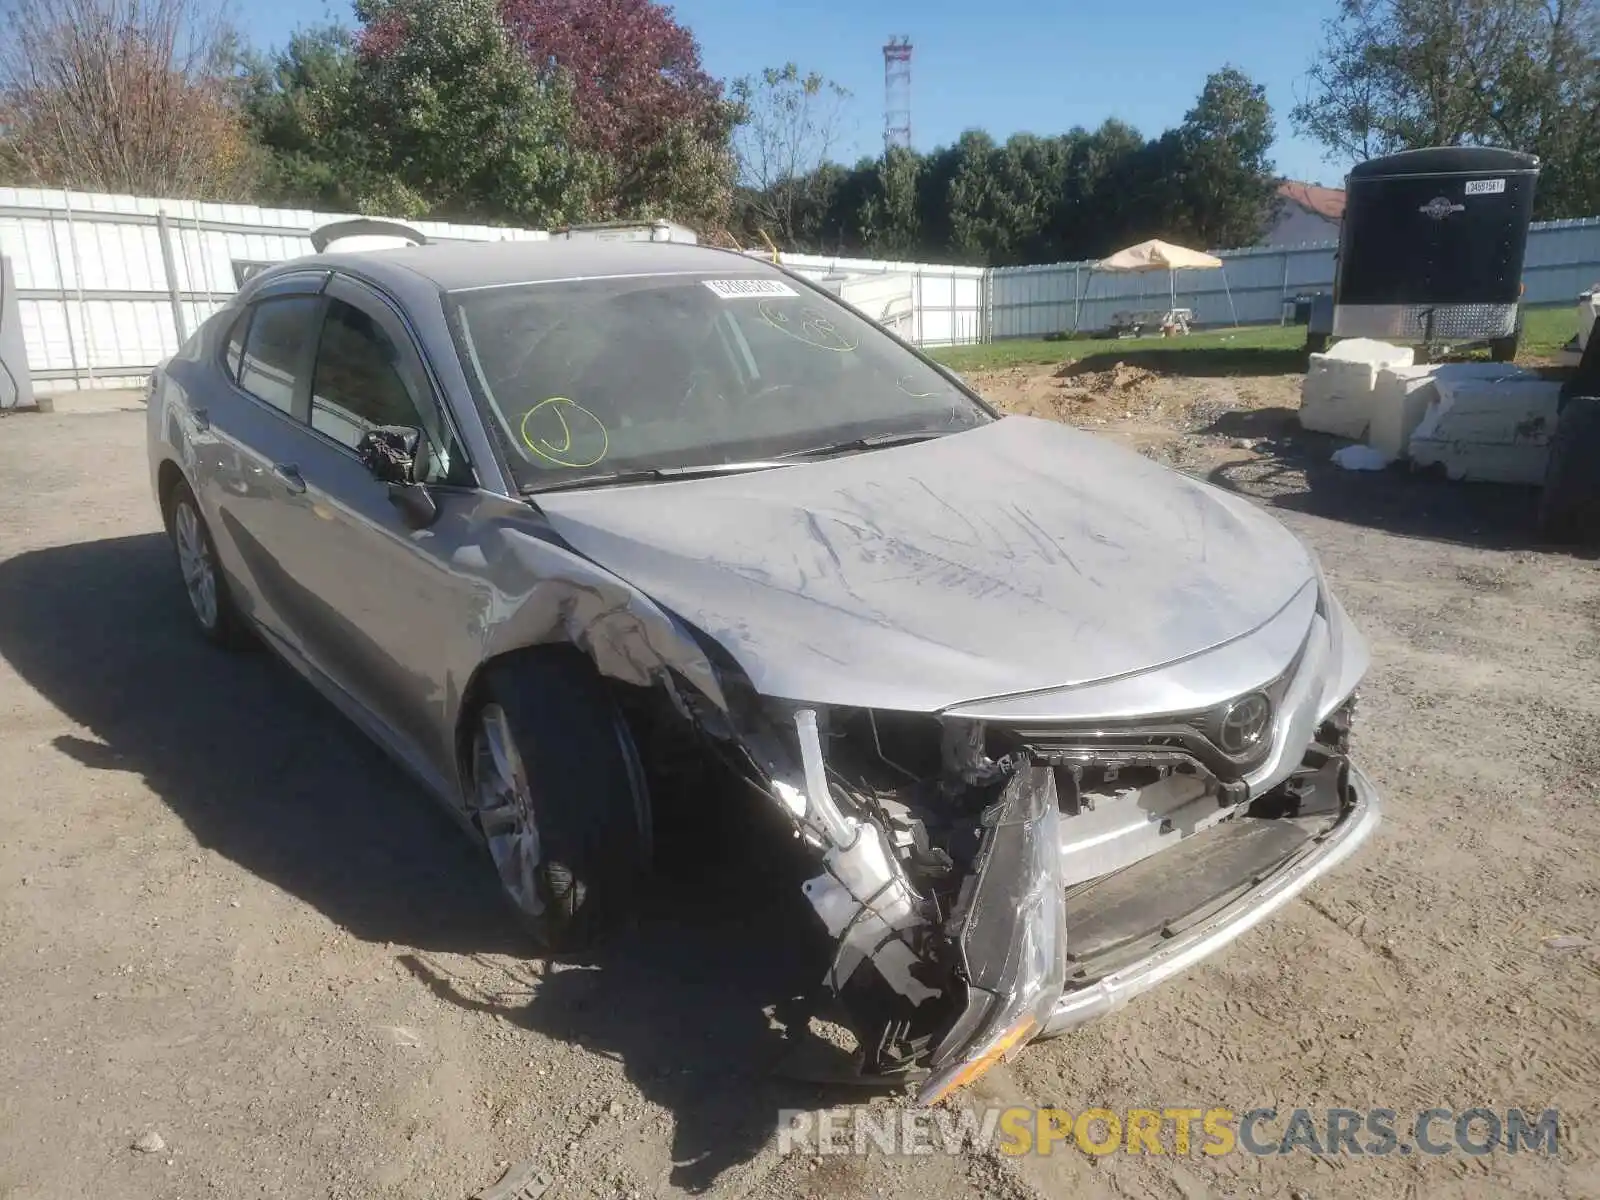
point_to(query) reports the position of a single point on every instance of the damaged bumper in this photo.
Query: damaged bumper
(1083, 1003)
(1036, 970)
(996, 878)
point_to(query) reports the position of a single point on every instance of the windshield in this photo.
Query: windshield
(593, 377)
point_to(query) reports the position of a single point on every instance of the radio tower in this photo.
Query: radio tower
(897, 93)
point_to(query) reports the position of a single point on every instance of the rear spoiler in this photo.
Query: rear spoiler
(364, 227)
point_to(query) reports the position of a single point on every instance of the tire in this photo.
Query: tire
(558, 795)
(1504, 350)
(1569, 508)
(211, 603)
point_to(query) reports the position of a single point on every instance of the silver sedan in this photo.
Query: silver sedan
(1052, 721)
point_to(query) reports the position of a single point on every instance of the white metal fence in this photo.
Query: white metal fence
(109, 285)
(1563, 259)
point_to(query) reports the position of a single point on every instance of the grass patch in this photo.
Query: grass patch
(1016, 352)
(1249, 350)
(1546, 330)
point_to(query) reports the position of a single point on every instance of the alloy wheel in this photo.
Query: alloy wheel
(503, 804)
(194, 560)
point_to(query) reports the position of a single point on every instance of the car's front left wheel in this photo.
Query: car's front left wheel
(559, 796)
(210, 602)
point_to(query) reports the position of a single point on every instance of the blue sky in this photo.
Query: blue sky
(1006, 66)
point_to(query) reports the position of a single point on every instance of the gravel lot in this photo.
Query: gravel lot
(226, 920)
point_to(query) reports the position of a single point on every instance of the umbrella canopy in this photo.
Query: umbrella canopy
(1157, 255)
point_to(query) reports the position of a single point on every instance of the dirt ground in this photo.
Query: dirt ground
(227, 921)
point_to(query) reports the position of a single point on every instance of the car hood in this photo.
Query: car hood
(1018, 556)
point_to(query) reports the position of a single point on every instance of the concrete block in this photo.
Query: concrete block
(1402, 395)
(1487, 430)
(1337, 394)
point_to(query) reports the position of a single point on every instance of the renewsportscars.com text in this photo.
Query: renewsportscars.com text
(1178, 1131)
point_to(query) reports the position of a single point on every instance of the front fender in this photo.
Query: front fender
(543, 593)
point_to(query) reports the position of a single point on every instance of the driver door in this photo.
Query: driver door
(383, 612)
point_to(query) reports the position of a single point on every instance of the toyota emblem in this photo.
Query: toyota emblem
(1244, 724)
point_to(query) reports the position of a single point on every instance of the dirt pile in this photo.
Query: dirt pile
(1072, 394)
(1119, 385)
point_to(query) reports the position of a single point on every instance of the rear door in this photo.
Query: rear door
(381, 613)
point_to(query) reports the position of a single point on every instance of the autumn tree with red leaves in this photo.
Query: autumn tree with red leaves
(643, 101)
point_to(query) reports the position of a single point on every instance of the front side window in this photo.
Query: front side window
(233, 353)
(603, 375)
(359, 383)
(273, 346)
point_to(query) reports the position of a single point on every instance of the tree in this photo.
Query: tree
(1220, 160)
(463, 119)
(788, 125)
(121, 96)
(305, 108)
(642, 102)
(889, 217)
(430, 110)
(1402, 74)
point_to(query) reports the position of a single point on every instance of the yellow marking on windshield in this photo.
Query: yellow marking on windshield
(555, 422)
(814, 328)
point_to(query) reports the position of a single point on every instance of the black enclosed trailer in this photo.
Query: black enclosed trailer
(1431, 249)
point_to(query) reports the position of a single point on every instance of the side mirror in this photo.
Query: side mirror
(390, 453)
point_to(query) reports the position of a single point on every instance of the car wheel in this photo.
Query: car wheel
(209, 599)
(1569, 507)
(559, 796)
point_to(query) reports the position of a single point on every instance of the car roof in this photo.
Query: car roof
(452, 266)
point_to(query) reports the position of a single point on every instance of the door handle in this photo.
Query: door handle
(289, 475)
(202, 419)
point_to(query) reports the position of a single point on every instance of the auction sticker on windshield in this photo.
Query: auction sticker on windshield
(738, 289)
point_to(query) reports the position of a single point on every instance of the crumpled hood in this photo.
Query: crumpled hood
(1015, 557)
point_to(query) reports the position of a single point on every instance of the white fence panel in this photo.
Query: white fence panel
(96, 305)
(1250, 288)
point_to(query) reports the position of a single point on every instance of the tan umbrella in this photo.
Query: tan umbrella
(1156, 255)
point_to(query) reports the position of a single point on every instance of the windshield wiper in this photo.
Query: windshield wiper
(652, 475)
(876, 441)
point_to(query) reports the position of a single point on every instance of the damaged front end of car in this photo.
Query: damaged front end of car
(988, 883)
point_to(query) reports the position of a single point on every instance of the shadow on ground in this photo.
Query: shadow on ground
(265, 772)
(1204, 362)
(256, 764)
(1296, 472)
(704, 1002)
